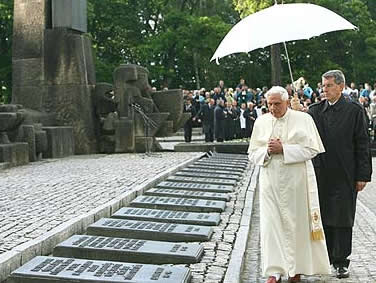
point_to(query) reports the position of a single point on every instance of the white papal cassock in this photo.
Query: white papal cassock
(284, 182)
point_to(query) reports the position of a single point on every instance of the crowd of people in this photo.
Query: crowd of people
(227, 113)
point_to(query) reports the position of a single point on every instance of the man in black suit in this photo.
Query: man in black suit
(219, 121)
(343, 169)
(206, 115)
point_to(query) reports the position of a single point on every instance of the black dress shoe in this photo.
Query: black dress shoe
(342, 272)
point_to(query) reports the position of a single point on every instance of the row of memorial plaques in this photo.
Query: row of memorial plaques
(132, 232)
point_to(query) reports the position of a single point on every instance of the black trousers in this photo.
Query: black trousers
(188, 132)
(243, 133)
(339, 244)
(209, 135)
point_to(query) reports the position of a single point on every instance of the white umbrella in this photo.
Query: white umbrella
(280, 23)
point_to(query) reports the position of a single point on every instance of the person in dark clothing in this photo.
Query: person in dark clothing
(218, 94)
(188, 108)
(236, 120)
(250, 116)
(228, 123)
(219, 119)
(343, 169)
(206, 115)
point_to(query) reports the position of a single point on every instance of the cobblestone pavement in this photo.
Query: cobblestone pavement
(38, 197)
(363, 258)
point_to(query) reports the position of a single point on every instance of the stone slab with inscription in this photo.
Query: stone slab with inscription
(193, 170)
(42, 269)
(226, 160)
(239, 164)
(181, 204)
(170, 216)
(232, 169)
(128, 250)
(148, 230)
(196, 187)
(209, 175)
(208, 164)
(186, 194)
(201, 180)
(230, 156)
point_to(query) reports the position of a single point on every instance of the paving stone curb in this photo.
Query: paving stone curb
(235, 265)
(43, 245)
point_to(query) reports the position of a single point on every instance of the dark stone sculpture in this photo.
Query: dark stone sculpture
(132, 86)
(53, 70)
(130, 119)
(22, 140)
(171, 101)
(12, 153)
(65, 111)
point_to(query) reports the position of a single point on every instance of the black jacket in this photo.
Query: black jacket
(346, 159)
(219, 115)
(206, 114)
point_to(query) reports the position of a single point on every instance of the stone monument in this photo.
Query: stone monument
(65, 110)
(53, 70)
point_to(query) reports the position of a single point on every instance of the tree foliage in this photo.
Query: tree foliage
(351, 51)
(6, 24)
(173, 39)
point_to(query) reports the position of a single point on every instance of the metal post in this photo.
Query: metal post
(288, 63)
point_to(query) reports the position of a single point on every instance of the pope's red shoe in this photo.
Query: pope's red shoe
(272, 279)
(294, 279)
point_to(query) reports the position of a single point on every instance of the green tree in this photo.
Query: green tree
(173, 39)
(350, 51)
(6, 27)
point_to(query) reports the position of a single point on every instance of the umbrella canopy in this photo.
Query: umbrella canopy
(280, 23)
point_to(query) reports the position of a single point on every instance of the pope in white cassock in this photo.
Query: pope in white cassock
(283, 143)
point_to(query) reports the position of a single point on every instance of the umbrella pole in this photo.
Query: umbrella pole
(288, 63)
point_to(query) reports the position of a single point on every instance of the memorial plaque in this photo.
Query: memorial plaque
(212, 165)
(128, 250)
(181, 204)
(223, 161)
(209, 175)
(170, 216)
(194, 170)
(196, 187)
(42, 269)
(186, 194)
(147, 230)
(201, 180)
(230, 156)
(230, 168)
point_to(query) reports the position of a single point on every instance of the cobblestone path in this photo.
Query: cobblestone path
(38, 197)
